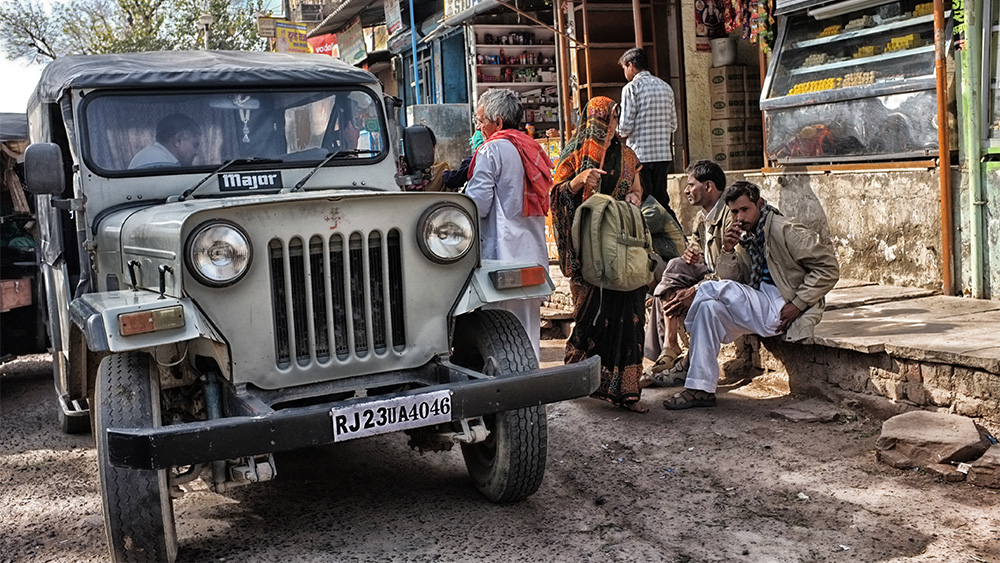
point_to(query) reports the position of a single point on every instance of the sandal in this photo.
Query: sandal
(689, 398)
(672, 377)
(635, 406)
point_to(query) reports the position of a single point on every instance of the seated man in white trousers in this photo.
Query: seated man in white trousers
(790, 273)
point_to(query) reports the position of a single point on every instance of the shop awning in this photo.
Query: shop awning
(477, 9)
(371, 11)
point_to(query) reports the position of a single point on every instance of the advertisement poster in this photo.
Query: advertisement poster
(393, 21)
(289, 37)
(708, 23)
(352, 43)
(958, 17)
(325, 45)
(376, 38)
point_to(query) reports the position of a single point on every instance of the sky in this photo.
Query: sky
(19, 77)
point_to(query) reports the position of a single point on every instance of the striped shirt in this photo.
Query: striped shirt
(649, 117)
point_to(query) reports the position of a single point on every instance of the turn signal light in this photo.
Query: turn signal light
(522, 277)
(151, 321)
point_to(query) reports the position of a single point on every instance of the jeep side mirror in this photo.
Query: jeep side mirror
(43, 169)
(419, 147)
(392, 103)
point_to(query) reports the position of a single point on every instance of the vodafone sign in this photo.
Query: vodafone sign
(324, 45)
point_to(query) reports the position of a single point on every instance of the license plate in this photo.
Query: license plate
(390, 415)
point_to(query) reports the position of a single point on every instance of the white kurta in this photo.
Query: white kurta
(721, 312)
(152, 156)
(497, 187)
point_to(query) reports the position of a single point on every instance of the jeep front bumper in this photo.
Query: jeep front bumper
(264, 430)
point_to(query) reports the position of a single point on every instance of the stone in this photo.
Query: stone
(948, 473)
(894, 459)
(807, 411)
(927, 438)
(985, 471)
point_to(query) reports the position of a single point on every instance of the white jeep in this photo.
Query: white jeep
(258, 282)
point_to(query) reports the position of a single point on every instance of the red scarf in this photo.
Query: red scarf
(537, 170)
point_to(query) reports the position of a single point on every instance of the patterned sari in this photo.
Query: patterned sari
(608, 323)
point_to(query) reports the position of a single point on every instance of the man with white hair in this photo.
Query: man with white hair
(509, 179)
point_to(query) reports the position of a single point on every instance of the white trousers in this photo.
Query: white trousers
(721, 312)
(529, 312)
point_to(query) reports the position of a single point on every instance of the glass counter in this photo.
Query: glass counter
(852, 86)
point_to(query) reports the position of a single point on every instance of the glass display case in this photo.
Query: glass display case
(991, 75)
(849, 84)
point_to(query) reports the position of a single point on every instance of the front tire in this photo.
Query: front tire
(138, 511)
(510, 464)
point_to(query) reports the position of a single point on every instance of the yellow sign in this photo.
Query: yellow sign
(289, 37)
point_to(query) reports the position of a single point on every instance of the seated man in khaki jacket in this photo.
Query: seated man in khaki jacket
(790, 273)
(705, 183)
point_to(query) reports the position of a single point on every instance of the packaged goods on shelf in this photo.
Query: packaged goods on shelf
(816, 59)
(830, 30)
(860, 23)
(816, 86)
(890, 11)
(923, 9)
(858, 79)
(902, 43)
(866, 51)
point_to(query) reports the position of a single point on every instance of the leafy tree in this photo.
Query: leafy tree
(120, 26)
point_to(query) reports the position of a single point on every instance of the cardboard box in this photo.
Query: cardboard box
(754, 131)
(727, 79)
(753, 105)
(730, 157)
(728, 132)
(729, 105)
(755, 157)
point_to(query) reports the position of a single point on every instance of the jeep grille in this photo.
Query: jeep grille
(333, 296)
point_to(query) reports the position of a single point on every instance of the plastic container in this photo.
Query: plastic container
(723, 51)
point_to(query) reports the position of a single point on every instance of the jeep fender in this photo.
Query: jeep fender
(481, 290)
(98, 315)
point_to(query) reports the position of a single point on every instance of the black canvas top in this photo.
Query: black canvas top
(178, 69)
(13, 127)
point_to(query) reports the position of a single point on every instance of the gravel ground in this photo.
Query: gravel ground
(723, 484)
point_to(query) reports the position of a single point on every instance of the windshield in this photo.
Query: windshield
(136, 134)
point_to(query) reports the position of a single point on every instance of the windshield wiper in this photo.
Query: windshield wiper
(225, 166)
(331, 156)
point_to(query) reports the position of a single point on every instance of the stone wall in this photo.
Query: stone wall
(885, 226)
(885, 384)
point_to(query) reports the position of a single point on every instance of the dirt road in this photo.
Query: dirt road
(723, 484)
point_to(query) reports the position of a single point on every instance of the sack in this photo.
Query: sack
(613, 244)
(668, 238)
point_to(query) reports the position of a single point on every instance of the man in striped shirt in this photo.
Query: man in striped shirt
(648, 121)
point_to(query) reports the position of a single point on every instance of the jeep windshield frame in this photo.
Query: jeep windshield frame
(155, 133)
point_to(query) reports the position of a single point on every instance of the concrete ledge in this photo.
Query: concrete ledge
(948, 330)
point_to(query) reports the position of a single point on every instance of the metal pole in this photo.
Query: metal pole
(637, 22)
(944, 150)
(971, 120)
(566, 100)
(413, 43)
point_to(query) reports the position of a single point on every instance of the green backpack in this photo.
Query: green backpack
(613, 244)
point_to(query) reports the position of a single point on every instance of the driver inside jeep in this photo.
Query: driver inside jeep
(178, 139)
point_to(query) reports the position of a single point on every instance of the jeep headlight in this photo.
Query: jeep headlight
(218, 253)
(446, 233)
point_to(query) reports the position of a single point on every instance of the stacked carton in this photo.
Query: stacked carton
(736, 131)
